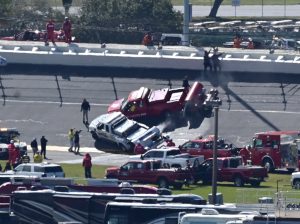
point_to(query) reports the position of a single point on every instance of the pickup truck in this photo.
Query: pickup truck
(125, 133)
(170, 157)
(145, 102)
(149, 172)
(230, 169)
(204, 146)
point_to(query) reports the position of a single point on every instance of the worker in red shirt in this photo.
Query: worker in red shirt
(67, 28)
(170, 143)
(11, 149)
(50, 32)
(139, 149)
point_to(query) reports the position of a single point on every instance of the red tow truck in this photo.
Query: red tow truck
(273, 150)
(146, 102)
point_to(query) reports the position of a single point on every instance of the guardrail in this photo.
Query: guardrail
(138, 56)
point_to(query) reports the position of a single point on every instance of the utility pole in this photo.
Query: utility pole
(214, 101)
(186, 21)
(215, 164)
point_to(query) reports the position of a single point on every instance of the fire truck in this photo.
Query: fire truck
(273, 150)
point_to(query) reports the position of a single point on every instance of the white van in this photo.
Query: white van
(212, 216)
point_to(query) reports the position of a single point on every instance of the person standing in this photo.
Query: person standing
(216, 61)
(71, 139)
(34, 146)
(139, 148)
(67, 28)
(76, 141)
(185, 83)
(43, 146)
(11, 149)
(206, 61)
(87, 164)
(50, 26)
(85, 108)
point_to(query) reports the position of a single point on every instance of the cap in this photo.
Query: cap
(250, 39)
(11, 141)
(66, 18)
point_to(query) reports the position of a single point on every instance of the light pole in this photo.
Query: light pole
(186, 21)
(214, 101)
(284, 8)
(262, 8)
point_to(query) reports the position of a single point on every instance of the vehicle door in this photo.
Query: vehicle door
(101, 131)
(24, 169)
(139, 108)
(193, 148)
(125, 171)
(227, 168)
(258, 151)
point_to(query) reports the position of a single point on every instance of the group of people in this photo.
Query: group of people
(74, 140)
(212, 62)
(50, 28)
(237, 40)
(39, 156)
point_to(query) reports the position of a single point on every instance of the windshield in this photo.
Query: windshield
(125, 105)
(6, 136)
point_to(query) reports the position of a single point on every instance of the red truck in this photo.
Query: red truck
(203, 146)
(146, 102)
(230, 169)
(149, 172)
(273, 150)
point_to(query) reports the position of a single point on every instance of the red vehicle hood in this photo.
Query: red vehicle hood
(115, 106)
(112, 169)
(8, 38)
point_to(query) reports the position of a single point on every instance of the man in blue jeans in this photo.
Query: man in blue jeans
(85, 107)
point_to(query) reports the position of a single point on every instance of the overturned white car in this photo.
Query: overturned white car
(117, 128)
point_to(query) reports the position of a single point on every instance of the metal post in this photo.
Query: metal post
(284, 8)
(186, 21)
(262, 8)
(215, 168)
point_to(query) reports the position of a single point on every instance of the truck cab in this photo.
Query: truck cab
(272, 150)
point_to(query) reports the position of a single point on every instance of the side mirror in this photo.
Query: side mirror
(180, 146)
(142, 156)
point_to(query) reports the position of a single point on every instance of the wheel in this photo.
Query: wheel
(95, 136)
(238, 181)
(268, 164)
(163, 183)
(255, 183)
(297, 184)
(177, 186)
(291, 170)
(123, 148)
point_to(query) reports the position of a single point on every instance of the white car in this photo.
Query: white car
(117, 128)
(295, 180)
(39, 170)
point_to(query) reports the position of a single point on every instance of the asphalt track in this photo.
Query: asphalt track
(43, 102)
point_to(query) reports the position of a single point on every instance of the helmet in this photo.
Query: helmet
(66, 18)
(11, 141)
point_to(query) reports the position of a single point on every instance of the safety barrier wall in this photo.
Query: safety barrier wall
(136, 56)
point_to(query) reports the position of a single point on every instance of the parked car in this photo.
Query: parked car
(39, 170)
(295, 180)
(117, 128)
(170, 157)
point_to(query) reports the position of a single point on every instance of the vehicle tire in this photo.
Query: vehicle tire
(255, 183)
(163, 183)
(268, 164)
(291, 170)
(95, 136)
(238, 181)
(177, 186)
(297, 184)
(123, 148)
